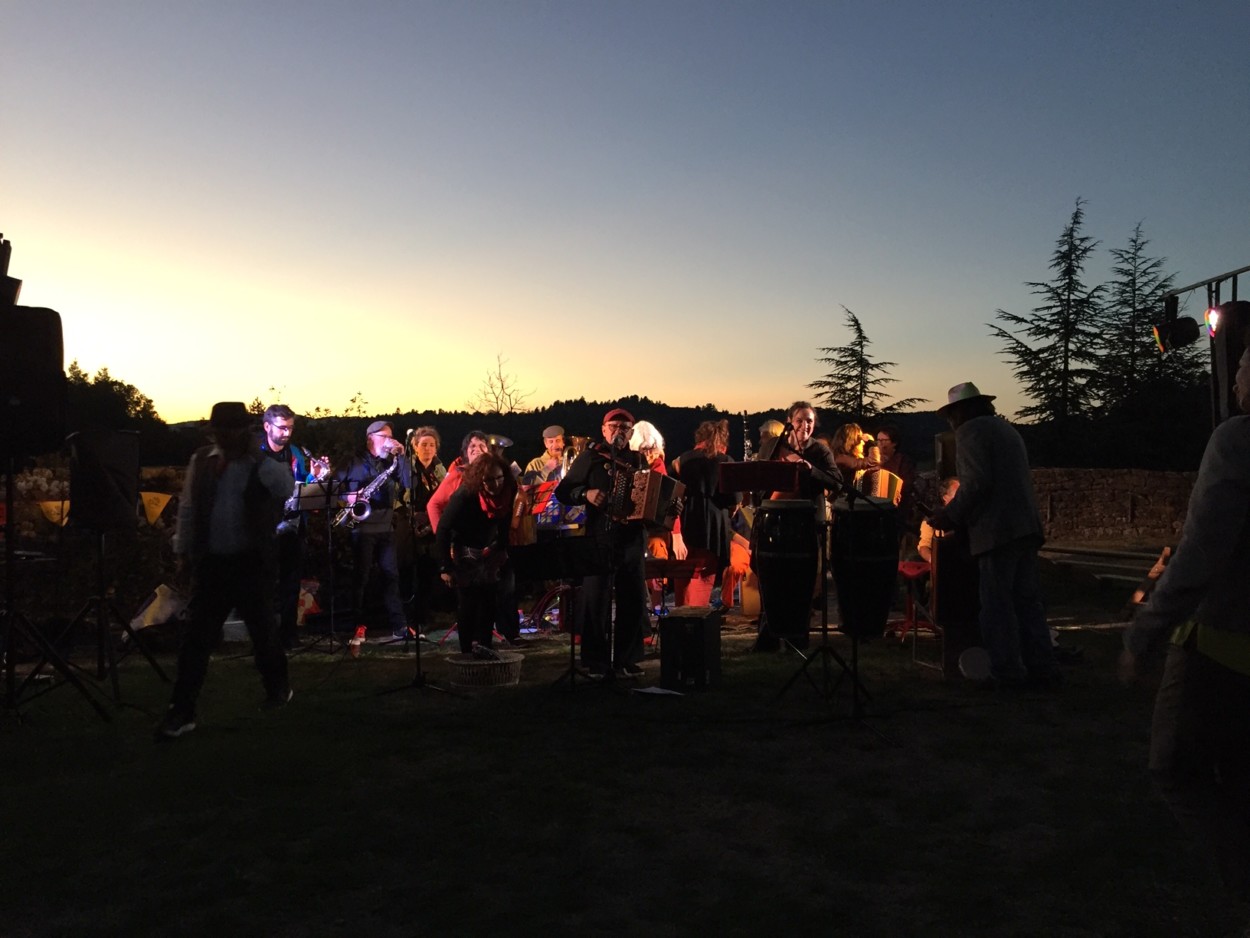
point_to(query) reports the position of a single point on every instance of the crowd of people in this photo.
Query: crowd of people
(242, 520)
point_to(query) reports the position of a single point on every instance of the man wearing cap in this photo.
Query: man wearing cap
(546, 467)
(996, 504)
(373, 540)
(589, 482)
(231, 501)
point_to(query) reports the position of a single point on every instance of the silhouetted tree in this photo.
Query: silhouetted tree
(1132, 373)
(1054, 349)
(499, 393)
(853, 385)
(106, 403)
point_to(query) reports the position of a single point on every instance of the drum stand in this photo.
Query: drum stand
(14, 625)
(830, 681)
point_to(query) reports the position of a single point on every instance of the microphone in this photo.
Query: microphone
(786, 428)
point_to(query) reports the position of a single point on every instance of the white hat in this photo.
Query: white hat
(961, 393)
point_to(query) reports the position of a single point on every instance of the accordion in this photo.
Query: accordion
(647, 496)
(881, 483)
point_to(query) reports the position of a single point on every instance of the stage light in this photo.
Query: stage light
(1177, 333)
(1212, 318)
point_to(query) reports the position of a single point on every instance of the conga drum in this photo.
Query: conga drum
(865, 563)
(785, 559)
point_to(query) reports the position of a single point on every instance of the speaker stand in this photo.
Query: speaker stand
(14, 625)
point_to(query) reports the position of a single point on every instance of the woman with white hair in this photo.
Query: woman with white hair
(649, 442)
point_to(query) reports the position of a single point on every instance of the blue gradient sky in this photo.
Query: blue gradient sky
(668, 199)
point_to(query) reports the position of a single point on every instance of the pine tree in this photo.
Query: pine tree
(854, 383)
(1054, 349)
(1131, 371)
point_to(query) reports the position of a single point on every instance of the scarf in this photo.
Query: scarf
(492, 507)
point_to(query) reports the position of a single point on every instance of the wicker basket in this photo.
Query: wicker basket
(468, 672)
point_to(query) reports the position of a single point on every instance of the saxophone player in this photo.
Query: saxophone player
(373, 536)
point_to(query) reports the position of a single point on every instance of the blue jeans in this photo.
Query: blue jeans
(1013, 617)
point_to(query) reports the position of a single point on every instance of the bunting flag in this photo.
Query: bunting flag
(56, 511)
(153, 504)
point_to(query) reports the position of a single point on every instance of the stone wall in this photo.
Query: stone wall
(1132, 507)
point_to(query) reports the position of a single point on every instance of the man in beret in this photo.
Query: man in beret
(590, 481)
(228, 514)
(546, 467)
(996, 504)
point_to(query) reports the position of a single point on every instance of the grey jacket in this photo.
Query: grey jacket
(1208, 577)
(995, 501)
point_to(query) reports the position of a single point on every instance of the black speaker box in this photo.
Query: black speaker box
(104, 479)
(690, 648)
(32, 381)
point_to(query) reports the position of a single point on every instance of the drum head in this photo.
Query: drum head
(974, 664)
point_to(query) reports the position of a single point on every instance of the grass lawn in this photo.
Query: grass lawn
(540, 810)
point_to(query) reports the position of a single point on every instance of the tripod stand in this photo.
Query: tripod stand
(104, 610)
(419, 681)
(14, 625)
(865, 580)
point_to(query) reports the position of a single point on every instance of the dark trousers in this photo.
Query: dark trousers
(594, 609)
(1200, 758)
(507, 621)
(243, 582)
(370, 550)
(1013, 616)
(290, 562)
(475, 614)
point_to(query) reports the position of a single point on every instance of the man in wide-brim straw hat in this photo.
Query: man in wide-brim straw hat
(997, 506)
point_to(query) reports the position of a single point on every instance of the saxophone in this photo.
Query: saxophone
(359, 510)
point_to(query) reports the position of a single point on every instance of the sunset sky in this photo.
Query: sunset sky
(671, 199)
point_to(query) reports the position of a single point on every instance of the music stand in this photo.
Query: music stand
(563, 559)
(319, 496)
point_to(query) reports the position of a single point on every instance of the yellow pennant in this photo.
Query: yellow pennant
(153, 504)
(56, 511)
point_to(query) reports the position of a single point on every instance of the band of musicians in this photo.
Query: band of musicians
(805, 517)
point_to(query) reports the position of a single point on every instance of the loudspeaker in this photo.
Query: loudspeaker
(690, 648)
(1227, 344)
(32, 381)
(104, 479)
